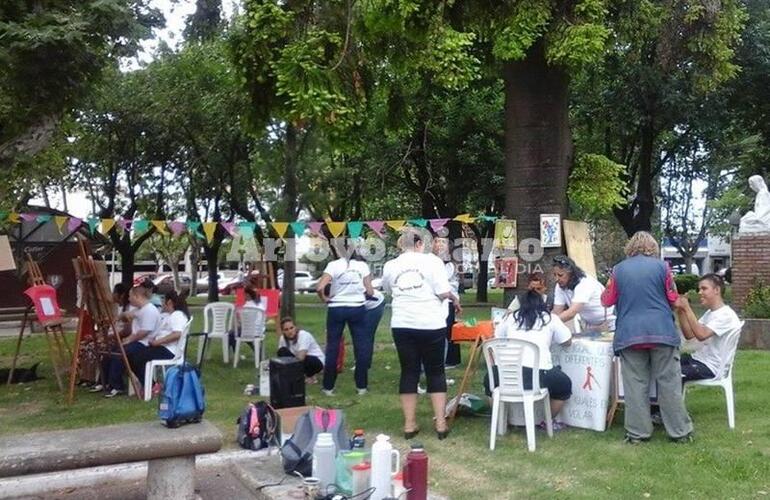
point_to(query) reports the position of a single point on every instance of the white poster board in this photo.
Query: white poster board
(6, 255)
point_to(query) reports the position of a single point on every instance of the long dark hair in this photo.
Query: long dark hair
(575, 273)
(180, 304)
(531, 308)
(252, 293)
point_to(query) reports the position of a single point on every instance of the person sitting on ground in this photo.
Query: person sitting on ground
(300, 344)
(532, 322)
(575, 293)
(715, 330)
(167, 341)
(144, 320)
(253, 301)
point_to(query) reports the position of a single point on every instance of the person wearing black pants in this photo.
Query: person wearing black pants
(300, 344)
(441, 250)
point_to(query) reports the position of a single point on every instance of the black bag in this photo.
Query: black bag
(258, 426)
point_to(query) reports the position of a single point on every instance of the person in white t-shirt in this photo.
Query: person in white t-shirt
(300, 344)
(349, 282)
(168, 340)
(717, 331)
(532, 322)
(418, 284)
(575, 293)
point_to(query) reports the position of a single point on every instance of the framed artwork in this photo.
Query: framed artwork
(506, 269)
(550, 230)
(505, 234)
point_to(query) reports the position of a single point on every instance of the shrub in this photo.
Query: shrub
(758, 301)
(686, 282)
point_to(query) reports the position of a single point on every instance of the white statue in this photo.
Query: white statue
(758, 220)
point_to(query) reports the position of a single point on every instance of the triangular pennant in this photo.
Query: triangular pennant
(209, 228)
(354, 228)
(125, 224)
(280, 228)
(315, 227)
(43, 218)
(140, 226)
(176, 227)
(376, 226)
(436, 224)
(465, 218)
(230, 228)
(28, 217)
(192, 227)
(74, 223)
(395, 224)
(418, 222)
(13, 218)
(298, 228)
(336, 228)
(160, 225)
(60, 220)
(488, 218)
(246, 229)
(3, 215)
(107, 225)
(92, 223)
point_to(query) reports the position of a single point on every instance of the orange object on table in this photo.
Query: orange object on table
(462, 332)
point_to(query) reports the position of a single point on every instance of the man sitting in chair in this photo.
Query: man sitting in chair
(712, 330)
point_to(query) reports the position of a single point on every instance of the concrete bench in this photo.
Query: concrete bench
(170, 453)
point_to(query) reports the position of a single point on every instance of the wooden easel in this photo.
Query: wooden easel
(58, 349)
(96, 299)
(470, 371)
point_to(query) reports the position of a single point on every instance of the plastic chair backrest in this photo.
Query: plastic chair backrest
(183, 340)
(731, 344)
(252, 321)
(218, 317)
(507, 355)
(273, 296)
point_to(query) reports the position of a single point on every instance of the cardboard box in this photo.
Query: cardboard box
(289, 417)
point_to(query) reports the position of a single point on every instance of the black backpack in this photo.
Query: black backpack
(258, 426)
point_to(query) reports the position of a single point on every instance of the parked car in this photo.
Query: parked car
(165, 283)
(140, 277)
(303, 281)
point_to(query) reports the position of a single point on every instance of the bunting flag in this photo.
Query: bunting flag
(140, 226)
(436, 224)
(418, 222)
(160, 225)
(465, 219)
(28, 217)
(92, 223)
(177, 228)
(336, 228)
(280, 228)
(315, 227)
(74, 223)
(209, 228)
(230, 228)
(3, 215)
(377, 226)
(124, 224)
(395, 224)
(298, 228)
(354, 228)
(487, 218)
(43, 218)
(13, 217)
(192, 228)
(107, 225)
(60, 220)
(246, 230)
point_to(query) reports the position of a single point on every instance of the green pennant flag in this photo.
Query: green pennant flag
(3, 215)
(192, 228)
(140, 226)
(298, 228)
(92, 223)
(354, 228)
(246, 230)
(43, 218)
(488, 218)
(418, 222)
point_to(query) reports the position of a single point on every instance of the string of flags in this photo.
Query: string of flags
(234, 229)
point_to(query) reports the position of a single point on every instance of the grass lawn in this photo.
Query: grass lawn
(576, 463)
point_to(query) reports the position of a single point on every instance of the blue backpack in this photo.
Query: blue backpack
(183, 399)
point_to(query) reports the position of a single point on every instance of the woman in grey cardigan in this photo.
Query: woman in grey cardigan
(646, 340)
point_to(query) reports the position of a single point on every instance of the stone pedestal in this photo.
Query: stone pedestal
(750, 263)
(171, 479)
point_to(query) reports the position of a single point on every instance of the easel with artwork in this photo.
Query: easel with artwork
(96, 301)
(43, 297)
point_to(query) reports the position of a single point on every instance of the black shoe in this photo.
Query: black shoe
(441, 435)
(411, 434)
(686, 439)
(634, 440)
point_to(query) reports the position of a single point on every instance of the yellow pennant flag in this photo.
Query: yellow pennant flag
(160, 225)
(465, 218)
(395, 224)
(60, 220)
(280, 228)
(107, 224)
(208, 229)
(13, 217)
(336, 228)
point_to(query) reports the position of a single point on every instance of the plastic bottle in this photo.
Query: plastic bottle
(324, 454)
(385, 463)
(416, 473)
(361, 478)
(358, 440)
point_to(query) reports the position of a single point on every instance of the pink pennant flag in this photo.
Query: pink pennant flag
(74, 223)
(377, 226)
(28, 217)
(229, 227)
(124, 223)
(315, 227)
(176, 227)
(437, 224)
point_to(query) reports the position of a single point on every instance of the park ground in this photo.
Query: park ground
(576, 463)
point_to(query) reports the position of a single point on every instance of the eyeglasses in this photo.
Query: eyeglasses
(562, 260)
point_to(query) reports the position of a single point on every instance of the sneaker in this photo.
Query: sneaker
(687, 438)
(361, 392)
(311, 380)
(634, 440)
(450, 367)
(328, 392)
(96, 388)
(113, 393)
(556, 426)
(421, 389)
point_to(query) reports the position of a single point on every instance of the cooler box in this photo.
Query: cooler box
(287, 383)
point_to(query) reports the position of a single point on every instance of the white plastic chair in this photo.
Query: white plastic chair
(507, 355)
(149, 368)
(725, 377)
(252, 322)
(217, 322)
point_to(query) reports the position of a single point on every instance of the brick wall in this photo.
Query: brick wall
(751, 261)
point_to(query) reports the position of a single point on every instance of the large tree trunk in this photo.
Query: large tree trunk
(538, 146)
(290, 197)
(637, 215)
(211, 252)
